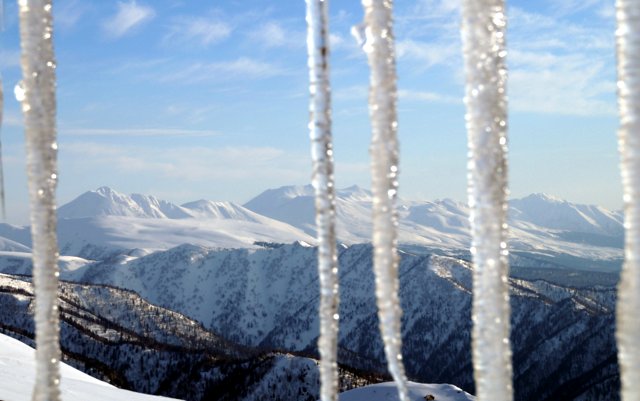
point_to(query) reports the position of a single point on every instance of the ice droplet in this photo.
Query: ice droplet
(322, 180)
(379, 48)
(19, 92)
(628, 304)
(483, 27)
(359, 34)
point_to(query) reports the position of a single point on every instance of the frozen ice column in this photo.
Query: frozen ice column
(628, 320)
(483, 36)
(322, 155)
(37, 92)
(379, 47)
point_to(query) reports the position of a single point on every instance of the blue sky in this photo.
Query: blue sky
(208, 99)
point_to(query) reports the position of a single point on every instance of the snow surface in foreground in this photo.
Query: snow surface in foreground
(17, 375)
(417, 391)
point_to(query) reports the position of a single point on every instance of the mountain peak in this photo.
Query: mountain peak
(542, 196)
(106, 201)
(106, 191)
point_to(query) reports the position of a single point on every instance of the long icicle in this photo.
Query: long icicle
(379, 47)
(628, 321)
(483, 35)
(37, 94)
(322, 155)
(2, 198)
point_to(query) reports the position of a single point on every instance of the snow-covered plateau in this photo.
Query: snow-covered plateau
(17, 375)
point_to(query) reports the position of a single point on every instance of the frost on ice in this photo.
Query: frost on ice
(628, 321)
(322, 155)
(379, 47)
(483, 35)
(36, 92)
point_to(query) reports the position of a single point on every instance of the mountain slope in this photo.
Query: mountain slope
(268, 298)
(17, 377)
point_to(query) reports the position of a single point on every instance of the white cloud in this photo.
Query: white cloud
(128, 16)
(10, 119)
(138, 132)
(569, 84)
(429, 97)
(9, 58)
(241, 68)
(427, 54)
(205, 31)
(567, 7)
(273, 34)
(229, 165)
(560, 67)
(68, 13)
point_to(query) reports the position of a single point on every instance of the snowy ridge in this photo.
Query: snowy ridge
(100, 223)
(546, 211)
(18, 375)
(537, 222)
(221, 210)
(106, 202)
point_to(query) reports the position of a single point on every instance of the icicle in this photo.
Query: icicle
(36, 92)
(628, 321)
(483, 34)
(322, 155)
(2, 203)
(379, 47)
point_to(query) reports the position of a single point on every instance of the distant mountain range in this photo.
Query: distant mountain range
(104, 221)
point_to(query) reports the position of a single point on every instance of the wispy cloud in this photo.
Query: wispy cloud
(567, 7)
(552, 84)
(68, 13)
(128, 16)
(9, 58)
(138, 132)
(429, 97)
(559, 66)
(427, 54)
(12, 120)
(241, 68)
(205, 31)
(225, 165)
(274, 34)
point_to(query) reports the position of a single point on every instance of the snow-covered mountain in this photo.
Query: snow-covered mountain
(17, 377)
(538, 223)
(268, 298)
(563, 340)
(103, 222)
(106, 202)
(556, 214)
(115, 335)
